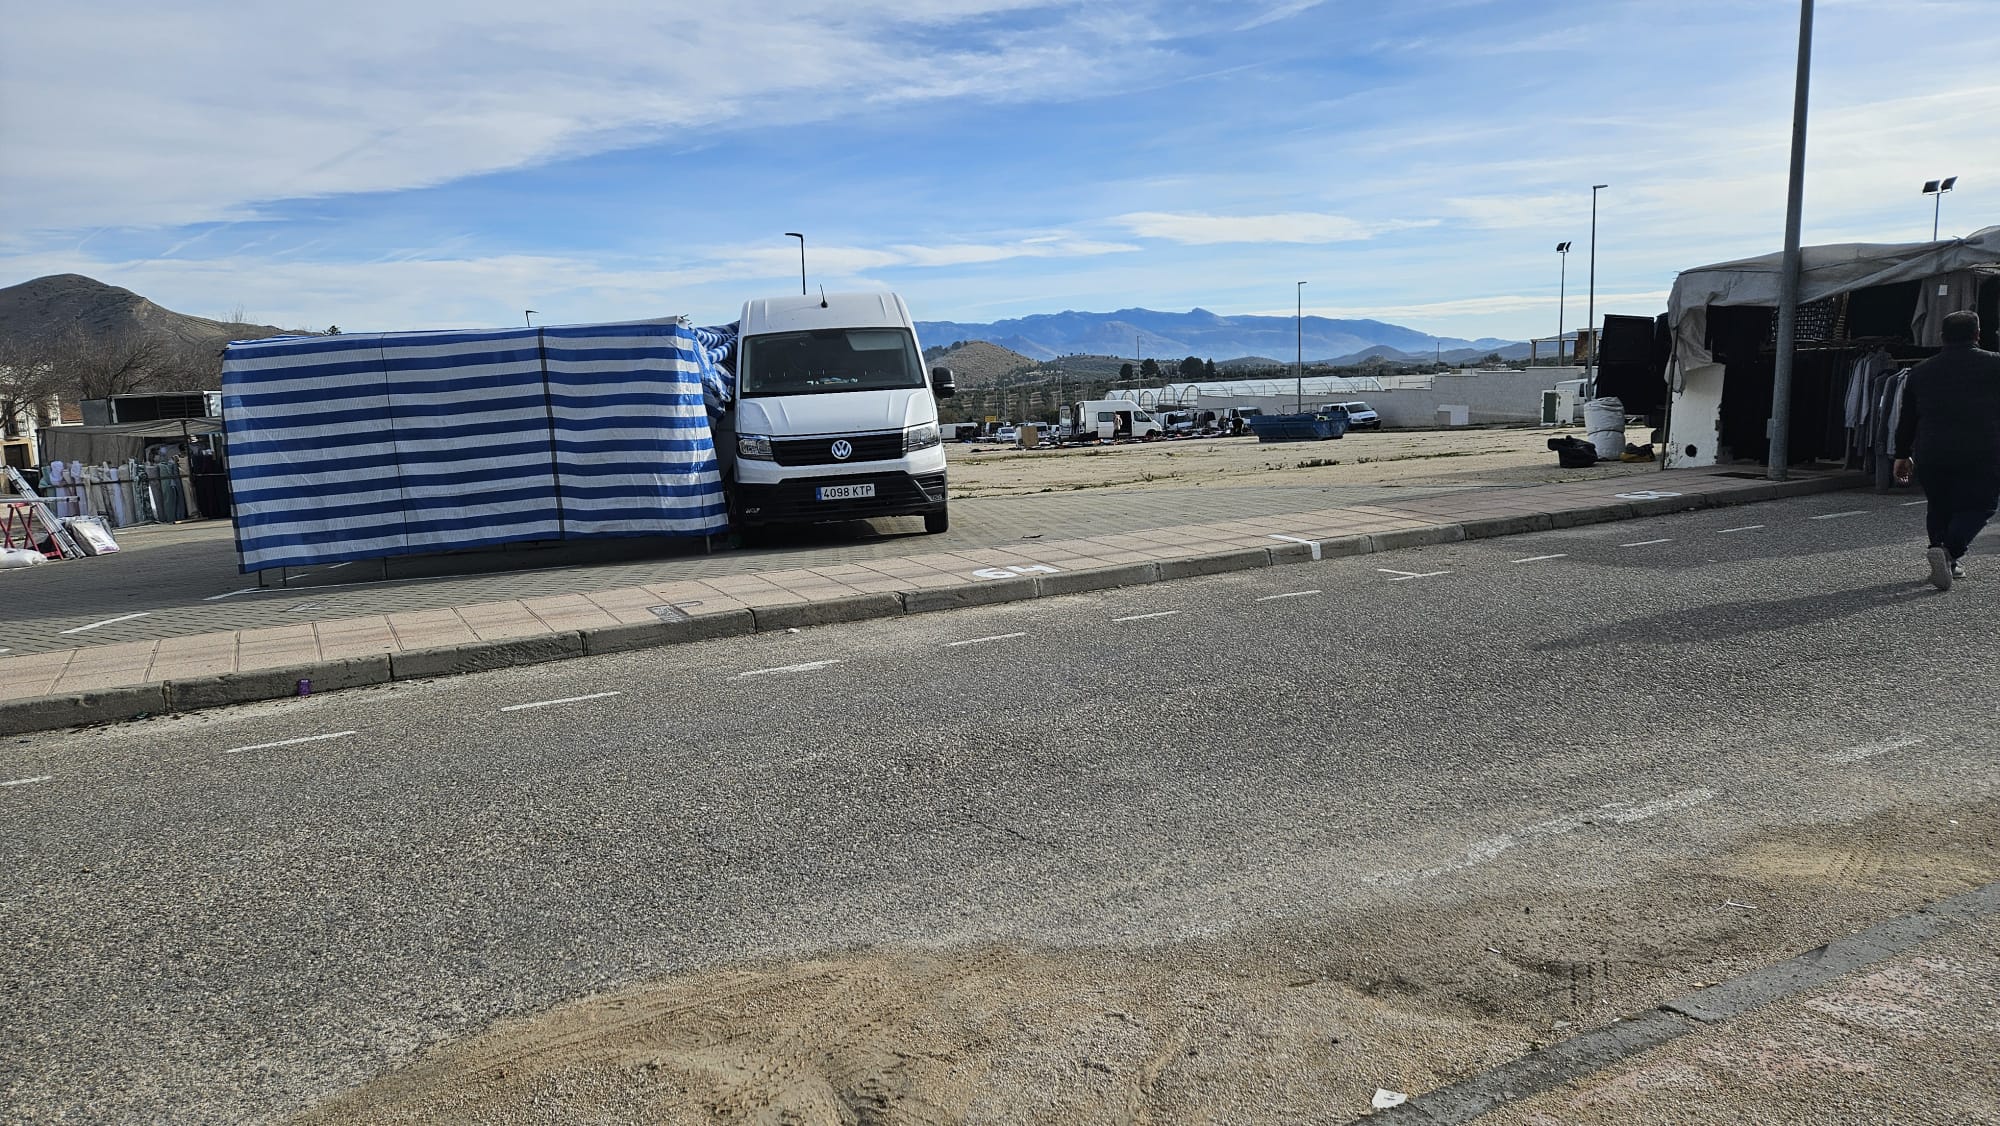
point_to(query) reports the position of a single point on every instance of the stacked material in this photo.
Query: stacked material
(371, 445)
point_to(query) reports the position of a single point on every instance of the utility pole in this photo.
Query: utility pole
(1299, 361)
(1590, 368)
(1780, 455)
(802, 259)
(1562, 291)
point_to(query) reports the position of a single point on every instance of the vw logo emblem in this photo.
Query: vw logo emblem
(842, 450)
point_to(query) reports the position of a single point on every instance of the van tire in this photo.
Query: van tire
(937, 523)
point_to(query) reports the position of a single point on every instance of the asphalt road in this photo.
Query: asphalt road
(225, 917)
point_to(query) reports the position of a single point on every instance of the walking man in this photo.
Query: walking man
(1950, 425)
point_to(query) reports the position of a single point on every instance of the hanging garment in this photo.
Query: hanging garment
(1946, 293)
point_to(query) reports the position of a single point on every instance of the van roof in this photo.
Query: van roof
(842, 310)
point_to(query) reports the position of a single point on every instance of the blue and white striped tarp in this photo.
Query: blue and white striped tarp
(371, 445)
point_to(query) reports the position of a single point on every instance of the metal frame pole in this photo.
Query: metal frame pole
(1780, 424)
(1562, 299)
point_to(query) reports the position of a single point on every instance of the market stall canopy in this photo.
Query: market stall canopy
(1824, 271)
(118, 443)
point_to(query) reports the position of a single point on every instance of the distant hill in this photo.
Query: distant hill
(109, 340)
(1198, 332)
(975, 363)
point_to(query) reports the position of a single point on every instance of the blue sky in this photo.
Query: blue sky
(429, 164)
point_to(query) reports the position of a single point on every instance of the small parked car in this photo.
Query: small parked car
(1007, 435)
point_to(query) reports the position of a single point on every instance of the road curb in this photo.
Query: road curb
(45, 713)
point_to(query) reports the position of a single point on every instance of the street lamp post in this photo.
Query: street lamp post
(1779, 456)
(1590, 364)
(1936, 189)
(1562, 289)
(802, 259)
(1299, 361)
(528, 316)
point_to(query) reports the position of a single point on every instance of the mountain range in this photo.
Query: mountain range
(1198, 332)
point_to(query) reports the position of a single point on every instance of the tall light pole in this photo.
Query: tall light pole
(1299, 361)
(802, 259)
(1779, 456)
(1936, 189)
(1562, 289)
(1590, 365)
(528, 315)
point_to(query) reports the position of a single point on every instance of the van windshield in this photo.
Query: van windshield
(829, 359)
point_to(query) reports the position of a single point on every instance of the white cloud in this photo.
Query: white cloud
(137, 115)
(1200, 229)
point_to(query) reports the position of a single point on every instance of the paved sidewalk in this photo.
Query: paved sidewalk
(431, 629)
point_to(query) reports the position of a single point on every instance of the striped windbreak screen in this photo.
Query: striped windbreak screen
(363, 446)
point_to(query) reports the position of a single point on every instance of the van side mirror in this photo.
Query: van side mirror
(942, 384)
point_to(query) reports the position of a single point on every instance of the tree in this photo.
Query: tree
(1492, 360)
(1124, 371)
(333, 330)
(1191, 368)
(1150, 369)
(1208, 369)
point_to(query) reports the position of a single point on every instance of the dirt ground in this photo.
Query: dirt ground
(1510, 456)
(1291, 1025)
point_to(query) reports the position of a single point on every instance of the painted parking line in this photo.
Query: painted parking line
(983, 640)
(1143, 617)
(1744, 528)
(1290, 594)
(109, 622)
(1646, 543)
(6, 650)
(1399, 576)
(1912, 503)
(1868, 751)
(1542, 558)
(563, 700)
(28, 781)
(289, 742)
(1840, 515)
(1314, 544)
(808, 666)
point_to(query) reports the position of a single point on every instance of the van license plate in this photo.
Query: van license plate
(845, 492)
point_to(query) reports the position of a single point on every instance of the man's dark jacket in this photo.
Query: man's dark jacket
(1951, 411)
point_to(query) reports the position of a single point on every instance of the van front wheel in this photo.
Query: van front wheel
(937, 522)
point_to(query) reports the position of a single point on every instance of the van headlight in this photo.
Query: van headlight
(754, 447)
(920, 437)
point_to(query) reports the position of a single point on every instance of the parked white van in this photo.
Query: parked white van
(1111, 419)
(835, 417)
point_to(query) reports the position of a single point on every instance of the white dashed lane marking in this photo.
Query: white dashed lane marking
(1840, 515)
(1857, 754)
(563, 700)
(1744, 528)
(1399, 576)
(1542, 558)
(809, 666)
(1143, 617)
(1291, 594)
(109, 622)
(1646, 543)
(289, 742)
(28, 781)
(983, 640)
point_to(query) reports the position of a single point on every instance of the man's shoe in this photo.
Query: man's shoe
(1957, 572)
(1941, 568)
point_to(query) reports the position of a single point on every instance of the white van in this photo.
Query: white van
(1111, 419)
(835, 417)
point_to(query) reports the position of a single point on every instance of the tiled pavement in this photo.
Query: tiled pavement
(379, 631)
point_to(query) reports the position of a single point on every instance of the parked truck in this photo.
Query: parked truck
(1109, 420)
(835, 417)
